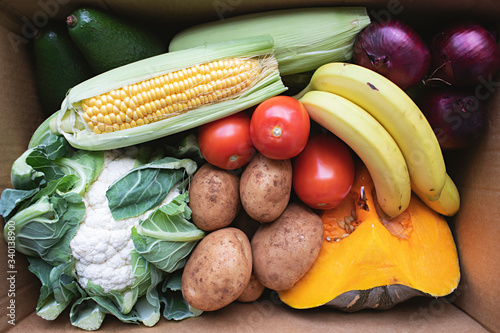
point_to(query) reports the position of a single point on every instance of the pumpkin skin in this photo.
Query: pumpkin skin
(377, 263)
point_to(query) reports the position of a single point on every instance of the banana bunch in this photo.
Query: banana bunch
(387, 130)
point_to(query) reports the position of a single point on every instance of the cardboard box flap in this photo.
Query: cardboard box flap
(476, 227)
(417, 315)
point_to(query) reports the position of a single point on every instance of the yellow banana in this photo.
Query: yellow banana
(396, 111)
(370, 141)
(448, 202)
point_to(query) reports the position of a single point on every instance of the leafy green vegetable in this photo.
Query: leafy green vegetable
(37, 164)
(167, 237)
(43, 169)
(86, 165)
(146, 186)
(87, 314)
(43, 133)
(58, 288)
(12, 198)
(141, 303)
(42, 164)
(45, 228)
(46, 209)
(184, 145)
(176, 307)
(148, 278)
(23, 175)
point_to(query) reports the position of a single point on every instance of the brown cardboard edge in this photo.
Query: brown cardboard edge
(476, 226)
(18, 105)
(202, 11)
(416, 315)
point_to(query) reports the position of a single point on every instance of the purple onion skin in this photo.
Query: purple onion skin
(462, 54)
(456, 116)
(392, 48)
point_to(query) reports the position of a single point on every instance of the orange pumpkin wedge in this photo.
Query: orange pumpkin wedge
(367, 261)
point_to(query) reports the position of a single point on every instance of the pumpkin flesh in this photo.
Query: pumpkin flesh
(414, 251)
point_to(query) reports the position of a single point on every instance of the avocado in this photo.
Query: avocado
(59, 65)
(108, 41)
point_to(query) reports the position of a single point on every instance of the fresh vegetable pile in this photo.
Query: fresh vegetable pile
(106, 232)
(179, 182)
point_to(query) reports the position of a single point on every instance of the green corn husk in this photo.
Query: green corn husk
(305, 38)
(69, 119)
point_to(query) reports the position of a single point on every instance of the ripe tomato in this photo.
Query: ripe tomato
(280, 127)
(226, 142)
(323, 172)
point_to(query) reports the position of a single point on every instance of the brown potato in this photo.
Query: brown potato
(253, 290)
(214, 197)
(218, 270)
(265, 187)
(284, 250)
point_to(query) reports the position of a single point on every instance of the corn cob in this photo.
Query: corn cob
(304, 38)
(169, 95)
(181, 90)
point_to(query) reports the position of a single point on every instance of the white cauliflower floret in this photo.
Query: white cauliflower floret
(102, 246)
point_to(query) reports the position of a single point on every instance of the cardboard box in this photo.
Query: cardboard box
(473, 307)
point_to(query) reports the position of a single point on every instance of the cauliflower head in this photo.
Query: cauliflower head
(102, 246)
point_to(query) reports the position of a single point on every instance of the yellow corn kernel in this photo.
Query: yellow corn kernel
(169, 95)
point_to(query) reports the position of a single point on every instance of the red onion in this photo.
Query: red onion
(393, 49)
(463, 53)
(456, 116)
